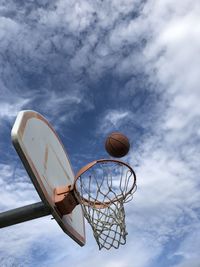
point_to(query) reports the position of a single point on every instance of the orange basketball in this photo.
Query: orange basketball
(117, 145)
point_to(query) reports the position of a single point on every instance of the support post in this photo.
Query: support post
(24, 214)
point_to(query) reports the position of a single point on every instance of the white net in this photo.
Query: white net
(102, 190)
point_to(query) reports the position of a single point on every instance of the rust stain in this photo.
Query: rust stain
(61, 165)
(46, 157)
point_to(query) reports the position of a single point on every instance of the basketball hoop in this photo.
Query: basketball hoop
(102, 188)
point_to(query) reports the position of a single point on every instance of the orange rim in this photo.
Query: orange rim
(99, 204)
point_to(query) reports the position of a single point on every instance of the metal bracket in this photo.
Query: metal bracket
(65, 199)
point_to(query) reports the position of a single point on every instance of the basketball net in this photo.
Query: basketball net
(102, 188)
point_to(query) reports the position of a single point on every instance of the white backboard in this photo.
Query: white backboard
(48, 166)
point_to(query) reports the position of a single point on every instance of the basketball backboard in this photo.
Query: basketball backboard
(45, 160)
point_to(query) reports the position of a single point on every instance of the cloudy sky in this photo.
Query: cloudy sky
(92, 67)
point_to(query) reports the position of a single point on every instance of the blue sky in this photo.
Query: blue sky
(93, 67)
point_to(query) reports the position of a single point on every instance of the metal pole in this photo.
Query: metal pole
(23, 214)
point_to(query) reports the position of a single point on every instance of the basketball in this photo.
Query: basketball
(117, 145)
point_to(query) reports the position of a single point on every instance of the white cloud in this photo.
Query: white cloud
(10, 110)
(188, 249)
(113, 119)
(28, 242)
(178, 68)
(189, 263)
(16, 188)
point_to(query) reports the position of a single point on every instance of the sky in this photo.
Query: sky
(93, 67)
